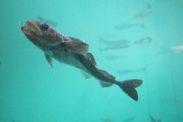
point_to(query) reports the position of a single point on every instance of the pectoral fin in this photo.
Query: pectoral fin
(76, 46)
(49, 60)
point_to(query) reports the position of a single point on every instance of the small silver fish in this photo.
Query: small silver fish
(177, 49)
(144, 13)
(128, 71)
(114, 47)
(107, 119)
(114, 42)
(166, 50)
(146, 40)
(153, 120)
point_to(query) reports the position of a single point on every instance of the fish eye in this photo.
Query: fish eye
(44, 27)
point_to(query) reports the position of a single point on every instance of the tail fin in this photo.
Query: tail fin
(128, 86)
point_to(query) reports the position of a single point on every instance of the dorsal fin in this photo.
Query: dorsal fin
(76, 39)
(107, 74)
(76, 46)
(91, 58)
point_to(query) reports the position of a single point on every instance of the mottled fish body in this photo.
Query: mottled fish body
(74, 52)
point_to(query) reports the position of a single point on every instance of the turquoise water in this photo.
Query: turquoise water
(30, 91)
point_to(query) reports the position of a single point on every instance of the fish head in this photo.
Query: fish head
(41, 34)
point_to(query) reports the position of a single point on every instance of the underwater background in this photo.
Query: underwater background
(30, 91)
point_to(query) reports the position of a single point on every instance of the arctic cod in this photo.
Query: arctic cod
(73, 51)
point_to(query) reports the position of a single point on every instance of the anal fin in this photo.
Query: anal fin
(104, 84)
(85, 74)
(106, 74)
(128, 86)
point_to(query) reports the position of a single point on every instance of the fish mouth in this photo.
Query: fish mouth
(31, 30)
